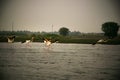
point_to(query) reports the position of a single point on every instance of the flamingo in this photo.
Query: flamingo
(100, 41)
(11, 39)
(47, 42)
(28, 41)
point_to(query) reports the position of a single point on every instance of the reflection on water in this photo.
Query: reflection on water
(60, 62)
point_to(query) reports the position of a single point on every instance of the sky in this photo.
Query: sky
(41, 15)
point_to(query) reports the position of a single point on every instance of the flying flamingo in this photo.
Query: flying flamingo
(47, 42)
(28, 41)
(11, 39)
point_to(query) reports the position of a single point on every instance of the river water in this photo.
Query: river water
(59, 62)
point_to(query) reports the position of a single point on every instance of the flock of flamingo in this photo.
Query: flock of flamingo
(47, 42)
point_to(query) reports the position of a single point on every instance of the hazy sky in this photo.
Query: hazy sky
(39, 15)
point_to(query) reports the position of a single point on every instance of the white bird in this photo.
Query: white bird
(47, 42)
(11, 39)
(100, 41)
(28, 41)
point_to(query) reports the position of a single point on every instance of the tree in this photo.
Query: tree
(110, 29)
(64, 31)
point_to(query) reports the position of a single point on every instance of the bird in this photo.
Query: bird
(28, 41)
(47, 42)
(11, 39)
(100, 41)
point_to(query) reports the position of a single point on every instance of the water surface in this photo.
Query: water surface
(60, 62)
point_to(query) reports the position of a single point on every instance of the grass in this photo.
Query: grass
(115, 41)
(112, 42)
(81, 41)
(67, 39)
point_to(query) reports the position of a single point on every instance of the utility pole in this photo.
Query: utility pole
(52, 28)
(12, 26)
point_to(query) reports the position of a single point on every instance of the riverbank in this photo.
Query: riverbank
(83, 41)
(91, 41)
(67, 39)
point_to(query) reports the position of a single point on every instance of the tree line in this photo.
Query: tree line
(110, 31)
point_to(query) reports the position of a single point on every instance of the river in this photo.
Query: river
(59, 62)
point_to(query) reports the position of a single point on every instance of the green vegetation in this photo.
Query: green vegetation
(110, 29)
(64, 31)
(73, 37)
(113, 41)
(81, 41)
